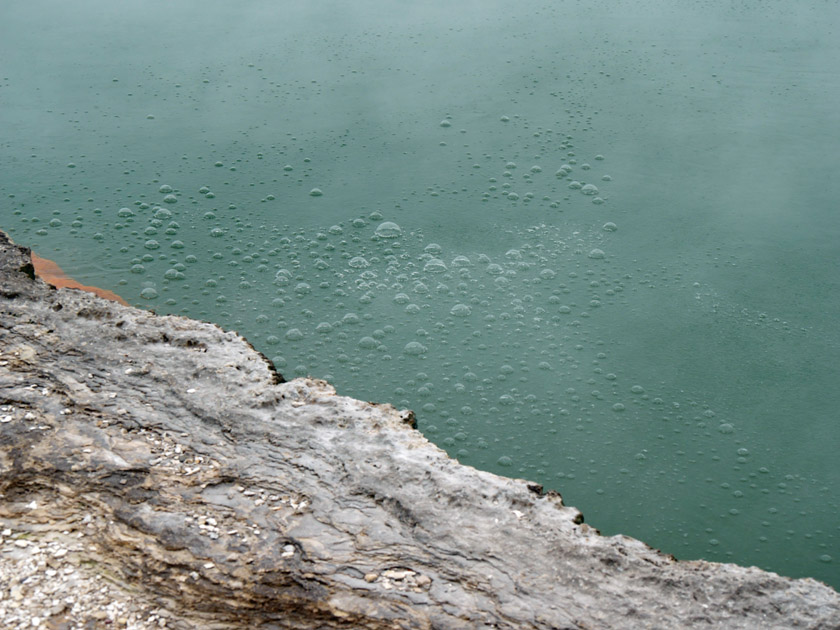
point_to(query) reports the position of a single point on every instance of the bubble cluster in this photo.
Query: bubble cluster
(473, 272)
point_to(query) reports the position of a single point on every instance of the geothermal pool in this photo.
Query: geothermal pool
(593, 244)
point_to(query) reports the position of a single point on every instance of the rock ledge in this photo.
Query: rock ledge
(163, 462)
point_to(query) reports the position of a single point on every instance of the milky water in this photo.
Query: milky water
(591, 244)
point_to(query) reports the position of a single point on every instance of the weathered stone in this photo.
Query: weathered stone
(199, 480)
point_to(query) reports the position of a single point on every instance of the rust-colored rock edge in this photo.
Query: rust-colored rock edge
(51, 273)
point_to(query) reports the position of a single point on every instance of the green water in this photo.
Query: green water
(662, 349)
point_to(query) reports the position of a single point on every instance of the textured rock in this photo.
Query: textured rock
(205, 484)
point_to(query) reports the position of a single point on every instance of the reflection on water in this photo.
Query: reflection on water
(591, 244)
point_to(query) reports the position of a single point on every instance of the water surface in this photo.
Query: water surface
(591, 244)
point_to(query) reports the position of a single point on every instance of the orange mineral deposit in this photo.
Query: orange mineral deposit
(50, 272)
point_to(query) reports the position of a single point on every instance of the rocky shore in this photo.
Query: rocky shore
(157, 472)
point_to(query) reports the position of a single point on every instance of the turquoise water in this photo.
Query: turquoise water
(591, 244)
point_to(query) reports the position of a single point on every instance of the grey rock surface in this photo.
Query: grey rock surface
(206, 485)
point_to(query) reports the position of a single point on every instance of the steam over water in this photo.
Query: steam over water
(593, 244)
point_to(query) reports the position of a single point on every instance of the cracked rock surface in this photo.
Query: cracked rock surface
(165, 465)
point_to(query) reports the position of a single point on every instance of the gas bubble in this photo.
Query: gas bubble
(414, 348)
(460, 310)
(358, 262)
(368, 343)
(294, 334)
(434, 265)
(388, 229)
